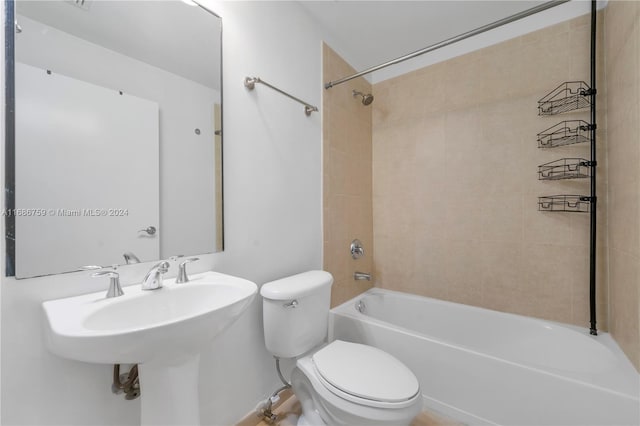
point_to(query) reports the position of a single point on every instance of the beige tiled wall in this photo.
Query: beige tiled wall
(622, 42)
(455, 185)
(346, 178)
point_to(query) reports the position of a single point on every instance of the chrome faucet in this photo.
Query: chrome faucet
(182, 270)
(114, 282)
(130, 258)
(153, 279)
(360, 276)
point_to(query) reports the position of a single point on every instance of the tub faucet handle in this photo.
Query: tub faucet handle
(357, 251)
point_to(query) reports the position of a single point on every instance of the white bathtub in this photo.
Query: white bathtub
(485, 367)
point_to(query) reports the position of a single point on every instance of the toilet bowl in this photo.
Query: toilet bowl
(351, 384)
(339, 383)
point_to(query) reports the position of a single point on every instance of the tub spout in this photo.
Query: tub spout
(360, 276)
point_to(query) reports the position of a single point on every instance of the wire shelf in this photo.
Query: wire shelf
(564, 203)
(565, 133)
(569, 96)
(565, 168)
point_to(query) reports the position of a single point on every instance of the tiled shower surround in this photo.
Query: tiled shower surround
(622, 57)
(455, 153)
(454, 186)
(347, 209)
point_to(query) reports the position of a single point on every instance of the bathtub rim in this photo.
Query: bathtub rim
(348, 309)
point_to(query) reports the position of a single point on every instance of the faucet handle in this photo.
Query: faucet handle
(182, 270)
(110, 274)
(114, 282)
(357, 251)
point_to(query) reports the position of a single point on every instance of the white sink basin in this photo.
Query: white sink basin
(162, 330)
(175, 320)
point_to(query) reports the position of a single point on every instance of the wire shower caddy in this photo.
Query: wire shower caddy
(564, 203)
(569, 96)
(565, 168)
(565, 133)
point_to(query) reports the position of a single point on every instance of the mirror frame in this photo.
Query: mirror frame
(10, 142)
(9, 138)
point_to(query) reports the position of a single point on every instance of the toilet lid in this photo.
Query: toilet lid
(365, 372)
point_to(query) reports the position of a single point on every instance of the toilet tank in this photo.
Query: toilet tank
(296, 312)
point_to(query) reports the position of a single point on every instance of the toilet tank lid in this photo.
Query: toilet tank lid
(296, 285)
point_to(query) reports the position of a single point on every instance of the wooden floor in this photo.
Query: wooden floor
(288, 411)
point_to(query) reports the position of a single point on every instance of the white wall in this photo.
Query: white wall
(272, 178)
(184, 106)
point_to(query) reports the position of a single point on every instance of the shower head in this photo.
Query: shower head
(367, 99)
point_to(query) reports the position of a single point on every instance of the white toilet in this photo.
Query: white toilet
(340, 383)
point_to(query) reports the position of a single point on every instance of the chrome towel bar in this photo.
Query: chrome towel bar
(250, 83)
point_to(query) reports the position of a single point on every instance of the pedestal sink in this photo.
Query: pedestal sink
(163, 331)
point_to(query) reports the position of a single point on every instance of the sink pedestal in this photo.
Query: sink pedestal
(163, 331)
(169, 392)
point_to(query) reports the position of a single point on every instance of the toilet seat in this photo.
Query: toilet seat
(365, 375)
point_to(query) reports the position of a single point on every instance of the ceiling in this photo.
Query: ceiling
(369, 33)
(170, 35)
(177, 37)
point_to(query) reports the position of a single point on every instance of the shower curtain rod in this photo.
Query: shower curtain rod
(491, 26)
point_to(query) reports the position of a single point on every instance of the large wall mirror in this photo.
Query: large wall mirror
(117, 141)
